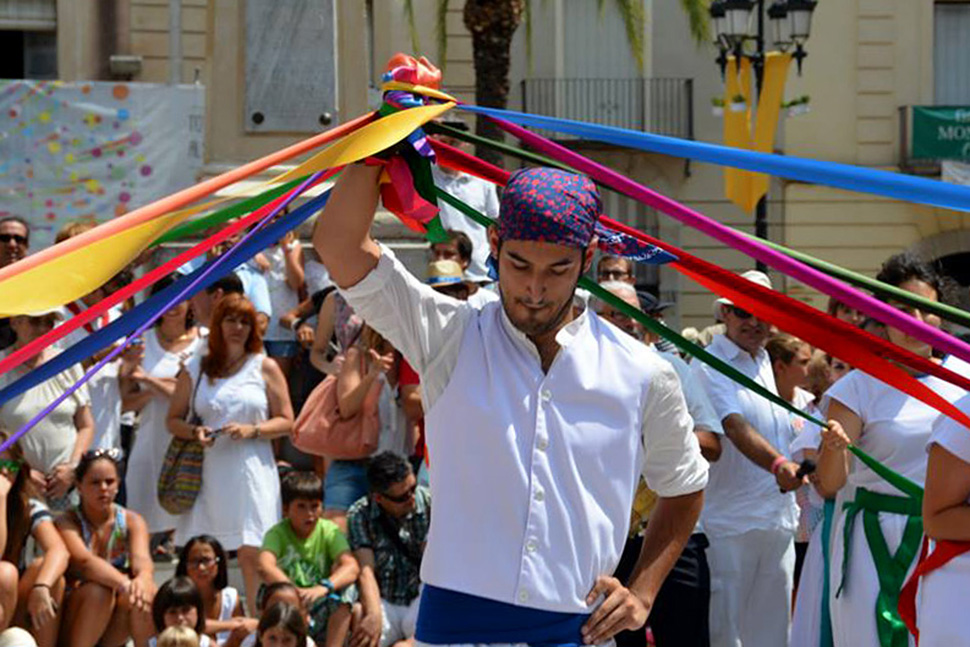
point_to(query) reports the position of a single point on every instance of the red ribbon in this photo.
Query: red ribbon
(399, 195)
(861, 349)
(941, 555)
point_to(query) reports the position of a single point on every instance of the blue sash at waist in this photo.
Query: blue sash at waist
(448, 618)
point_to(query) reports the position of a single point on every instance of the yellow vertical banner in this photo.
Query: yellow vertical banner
(745, 188)
(766, 124)
(737, 131)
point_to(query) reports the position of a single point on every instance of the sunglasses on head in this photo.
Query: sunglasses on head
(17, 238)
(111, 453)
(403, 498)
(9, 465)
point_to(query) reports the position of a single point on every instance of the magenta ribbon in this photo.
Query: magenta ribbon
(796, 269)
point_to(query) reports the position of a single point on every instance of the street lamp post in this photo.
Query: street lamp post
(791, 22)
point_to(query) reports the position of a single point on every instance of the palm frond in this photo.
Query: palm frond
(412, 26)
(698, 19)
(634, 20)
(441, 33)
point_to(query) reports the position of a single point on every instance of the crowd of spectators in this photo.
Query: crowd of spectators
(329, 549)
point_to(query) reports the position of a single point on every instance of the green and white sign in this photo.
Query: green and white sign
(940, 133)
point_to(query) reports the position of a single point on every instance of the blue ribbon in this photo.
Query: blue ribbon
(843, 176)
(138, 315)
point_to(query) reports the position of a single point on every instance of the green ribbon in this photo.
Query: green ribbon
(891, 568)
(230, 212)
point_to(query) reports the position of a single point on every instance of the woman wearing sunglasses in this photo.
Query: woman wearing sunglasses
(111, 577)
(54, 445)
(30, 593)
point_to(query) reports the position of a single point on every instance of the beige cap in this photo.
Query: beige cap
(755, 276)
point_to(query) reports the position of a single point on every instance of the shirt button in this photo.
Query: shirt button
(523, 595)
(546, 395)
(539, 496)
(531, 546)
(542, 444)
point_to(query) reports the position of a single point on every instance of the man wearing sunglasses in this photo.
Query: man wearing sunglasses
(750, 524)
(14, 243)
(387, 531)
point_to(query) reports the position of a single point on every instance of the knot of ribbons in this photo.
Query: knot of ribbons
(407, 184)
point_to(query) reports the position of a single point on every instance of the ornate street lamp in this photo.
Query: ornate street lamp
(780, 25)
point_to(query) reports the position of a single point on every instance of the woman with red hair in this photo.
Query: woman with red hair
(234, 400)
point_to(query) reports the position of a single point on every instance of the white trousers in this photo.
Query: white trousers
(751, 585)
(398, 621)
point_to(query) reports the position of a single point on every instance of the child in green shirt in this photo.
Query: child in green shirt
(311, 553)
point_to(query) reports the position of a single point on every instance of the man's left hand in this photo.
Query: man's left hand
(621, 610)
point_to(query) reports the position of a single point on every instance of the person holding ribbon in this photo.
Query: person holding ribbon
(539, 423)
(877, 532)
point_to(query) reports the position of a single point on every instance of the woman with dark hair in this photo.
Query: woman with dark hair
(30, 594)
(877, 530)
(110, 581)
(54, 445)
(178, 603)
(240, 398)
(147, 383)
(204, 560)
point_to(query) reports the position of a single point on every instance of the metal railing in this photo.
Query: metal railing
(662, 106)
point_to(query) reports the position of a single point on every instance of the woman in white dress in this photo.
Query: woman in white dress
(946, 517)
(877, 531)
(147, 383)
(241, 401)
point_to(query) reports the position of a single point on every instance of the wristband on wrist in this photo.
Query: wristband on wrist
(41, 585)
(777, 463)
(325, 582)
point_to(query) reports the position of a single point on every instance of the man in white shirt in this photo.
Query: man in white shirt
(538, 423)
(681, 610)
(473, 191)
(750, 524)
(460, 249)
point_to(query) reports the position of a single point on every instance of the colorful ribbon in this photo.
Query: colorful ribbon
(907, 188)
(851, 297)
(24, 353)
(158, 303)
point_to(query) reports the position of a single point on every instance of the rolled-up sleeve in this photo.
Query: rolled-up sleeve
(424, 325)
(673, 465)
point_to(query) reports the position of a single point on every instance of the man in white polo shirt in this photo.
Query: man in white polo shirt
(750, 523)
(538, 423)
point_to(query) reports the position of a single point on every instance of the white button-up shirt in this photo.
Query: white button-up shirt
(478, 194)
(532, 473)
(742, 496)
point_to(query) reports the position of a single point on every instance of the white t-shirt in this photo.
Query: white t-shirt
(895, 427)
(481, 297)
(51, 441)
(282, 297)
(204, 641)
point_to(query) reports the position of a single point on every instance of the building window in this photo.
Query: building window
(951, 56)
(28, 55)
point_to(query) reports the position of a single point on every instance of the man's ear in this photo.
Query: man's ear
(493, 241)
(589, 254)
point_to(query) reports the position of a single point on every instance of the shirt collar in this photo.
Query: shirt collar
(564, 337)
(732, 351)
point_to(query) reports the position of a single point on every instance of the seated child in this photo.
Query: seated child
(311, 553)
(282, 624)
(178, 636)
(279, 593)
(178, 603)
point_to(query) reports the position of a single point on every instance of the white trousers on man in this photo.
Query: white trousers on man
(398, 621)
(751, 586)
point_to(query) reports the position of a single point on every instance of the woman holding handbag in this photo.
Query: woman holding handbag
(370, 369)
(147, 377)
(242, 404)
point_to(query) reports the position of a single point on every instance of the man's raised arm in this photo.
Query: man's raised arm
(342, 233)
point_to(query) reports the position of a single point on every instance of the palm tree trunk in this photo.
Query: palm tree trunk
(492, 24)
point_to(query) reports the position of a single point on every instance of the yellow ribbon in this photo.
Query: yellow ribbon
(69, 277)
